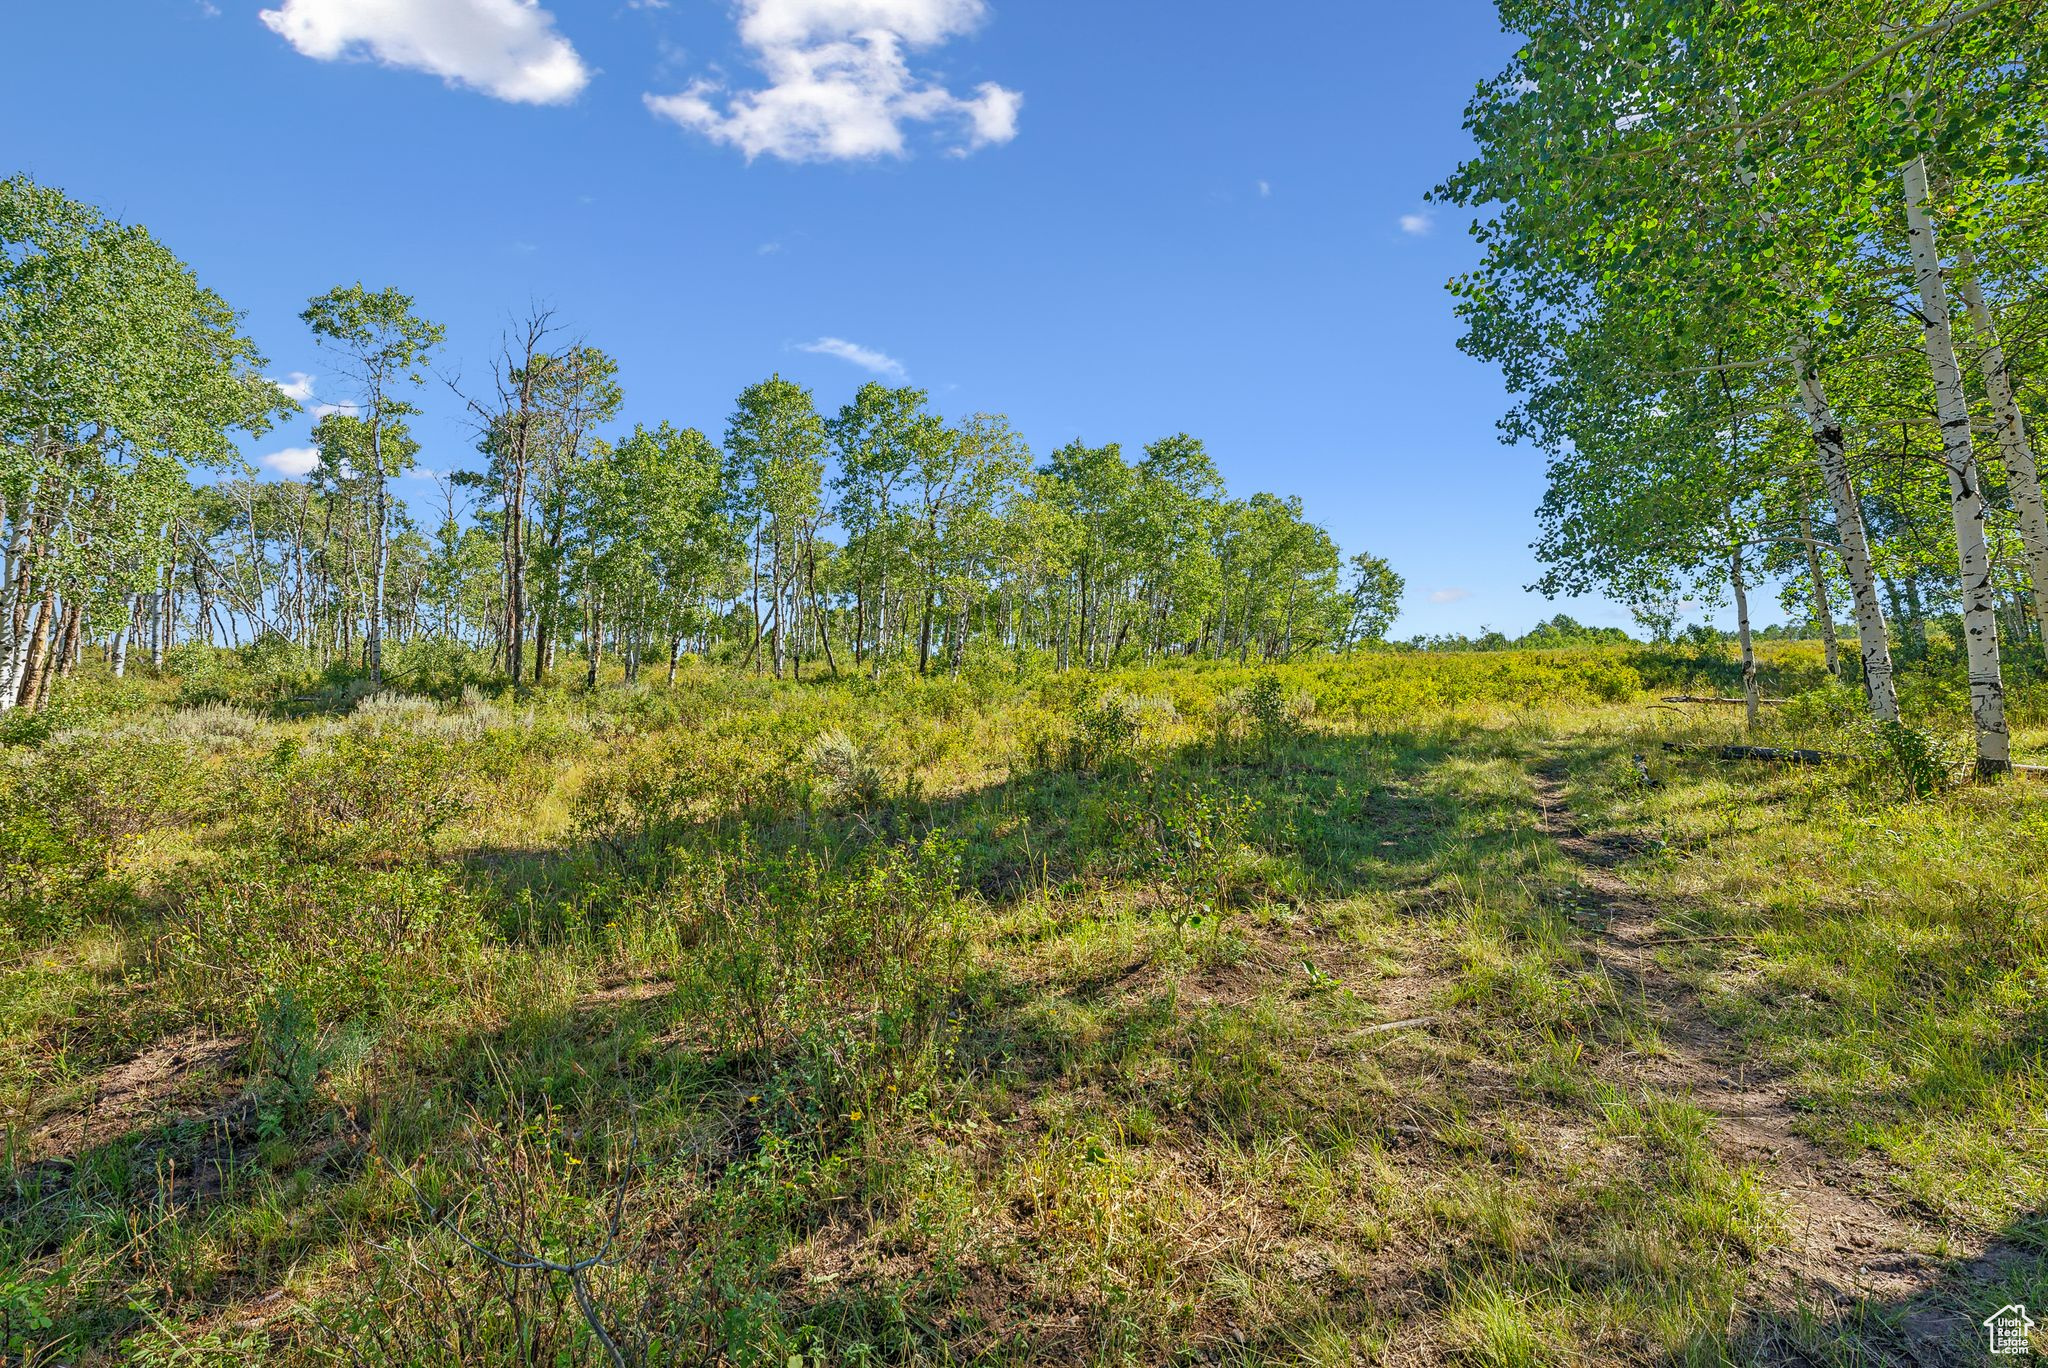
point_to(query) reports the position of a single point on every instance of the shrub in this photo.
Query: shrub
(344, 942)
(843, 770)
(75, 800)
(366, 790)
(1265, 712)
(213, 726)
(1829, 708)
(1919, 761)
(1104, 733)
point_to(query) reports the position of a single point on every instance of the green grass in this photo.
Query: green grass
(972, 1021)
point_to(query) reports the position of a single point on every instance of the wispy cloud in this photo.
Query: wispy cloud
(505, 48)
(297, 462)
(1265, 190)
(1418, 224)
(1449, 595)
(297, 387)
(867, 358)
(839, 86)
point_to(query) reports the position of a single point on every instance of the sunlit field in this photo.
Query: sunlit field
(1175, 1015)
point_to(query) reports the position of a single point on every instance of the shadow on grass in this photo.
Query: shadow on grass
(753, 1199)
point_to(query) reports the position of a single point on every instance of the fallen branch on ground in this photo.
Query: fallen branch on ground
(1783, 754)
(1790, 756)
(1717, 698)
(1396, 1025)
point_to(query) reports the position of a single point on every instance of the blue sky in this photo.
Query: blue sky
(1107, 220)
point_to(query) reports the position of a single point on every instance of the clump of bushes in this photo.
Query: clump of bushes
(345, 942)
(1104, 732)
(1265, 713)
(366, 790)
(1902, 758)
(69, 806)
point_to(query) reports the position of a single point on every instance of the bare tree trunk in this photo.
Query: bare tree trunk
(1872, 644)
(24, 692)
(1742, 636)
(14, 581)
(67, 639)
(818, 608)
(380, 553)
(119, 654)
(2023, 474)
(924, 634)
(1823, 610)
(1966, 498)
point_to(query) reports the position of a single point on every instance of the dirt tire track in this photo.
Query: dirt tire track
(1844, 1245)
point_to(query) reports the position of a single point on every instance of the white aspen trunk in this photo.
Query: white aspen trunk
(1966, 495)
(13, 644)
(17, 683)
(1872, 644)
(881, 620)
(2023, 474)
(1823, 609)
(380, 552)
(118, 654)
(1741, 584)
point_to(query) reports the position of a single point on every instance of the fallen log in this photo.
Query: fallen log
(1717, 698)
(1789, 756)
(1785, 755)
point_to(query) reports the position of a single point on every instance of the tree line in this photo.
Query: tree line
(879, 535)
(1765, 278)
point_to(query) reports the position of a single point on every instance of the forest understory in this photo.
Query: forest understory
(1401, 1009)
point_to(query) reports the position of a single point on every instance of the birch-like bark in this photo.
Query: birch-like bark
(29, 676)
(13, 583)
(2022, 472)
(1823, 609)
(67, 639)
(132, 608)
(1741, 585)
(380, 548)
(1872, 644)
(1966, 495)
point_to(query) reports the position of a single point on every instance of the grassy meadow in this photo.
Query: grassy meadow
(1190, 1015)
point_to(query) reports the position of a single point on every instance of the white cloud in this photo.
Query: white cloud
(839, 86)
(1265, 190)
(297, 387)
(1449, 595)
(297, 462)
(1418, 224)
(867, 358)
(506, 48)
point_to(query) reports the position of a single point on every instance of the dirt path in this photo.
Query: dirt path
(1845, 1246)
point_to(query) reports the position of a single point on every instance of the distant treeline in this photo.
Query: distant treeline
(880, 533)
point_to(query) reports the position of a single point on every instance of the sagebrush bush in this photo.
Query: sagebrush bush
(213, 726)
(843, 770)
